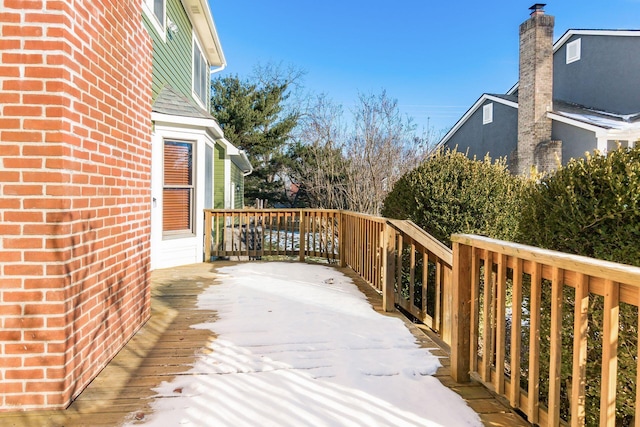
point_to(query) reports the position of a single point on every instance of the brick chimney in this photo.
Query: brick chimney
(535, 93)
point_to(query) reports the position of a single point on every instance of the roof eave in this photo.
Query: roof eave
(242, 161)
(632, 132)
(202, 21)
(197, 122)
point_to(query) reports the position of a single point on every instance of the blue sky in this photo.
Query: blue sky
(435, 57)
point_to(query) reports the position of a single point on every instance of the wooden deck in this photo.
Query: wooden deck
(167, 345)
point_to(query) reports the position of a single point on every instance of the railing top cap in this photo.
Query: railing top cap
(622, 273)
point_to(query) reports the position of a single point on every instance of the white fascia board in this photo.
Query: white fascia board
(469, 113)
(189, 121)
(576, 123)
(203, 25)
(569, 33)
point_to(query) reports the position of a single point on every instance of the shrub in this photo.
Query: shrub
(589, 207)
(450, 193)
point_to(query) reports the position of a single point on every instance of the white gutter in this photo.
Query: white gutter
(248, 170)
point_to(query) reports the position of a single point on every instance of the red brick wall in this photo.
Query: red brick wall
(75, 180)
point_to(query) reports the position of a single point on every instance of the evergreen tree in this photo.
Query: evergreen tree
(255, 118)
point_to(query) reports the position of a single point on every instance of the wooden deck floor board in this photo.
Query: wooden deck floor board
(168, 345)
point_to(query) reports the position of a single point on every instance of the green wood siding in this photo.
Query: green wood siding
(218, 178)
(238, 179)
(172, 59)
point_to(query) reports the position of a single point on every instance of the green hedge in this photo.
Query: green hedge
(589, 207)
(450, 193)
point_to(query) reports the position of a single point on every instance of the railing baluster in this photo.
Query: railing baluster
(388, 256)
(425, 281)
(516, 331)
(268, 226)
(487, 321)
(399, 266)
(555, 358)
(247, 233)
(412, 274)
(501, 302)
(303, 235)
(474, 307)
(610, 329)
(314, 230)
(579, 374)
(534, 344)
(233, 243)
(286, 232)
(279, 238)
(437, 318)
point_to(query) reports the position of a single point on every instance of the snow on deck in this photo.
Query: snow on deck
(299, 345)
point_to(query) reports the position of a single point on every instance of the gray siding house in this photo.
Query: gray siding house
(577, 95)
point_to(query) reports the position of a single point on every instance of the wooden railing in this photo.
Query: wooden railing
(410, 268)
(362, 245)
(500, 305)
(254, 233)
(422, 269)
(508, 301)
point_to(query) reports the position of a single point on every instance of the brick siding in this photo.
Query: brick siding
(75, 182)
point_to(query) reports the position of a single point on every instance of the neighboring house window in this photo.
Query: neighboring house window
(156, 9)
(200, 74)
(487, 113)
(573, 51)
(178, 188)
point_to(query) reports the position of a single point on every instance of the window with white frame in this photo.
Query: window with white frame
(487, 113)
(157, 12)
(200, 74)
(573, 51)
(178, 189)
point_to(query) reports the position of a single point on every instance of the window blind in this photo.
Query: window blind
(178, 186)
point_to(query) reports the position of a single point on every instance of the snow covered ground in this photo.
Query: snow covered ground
(299, 345)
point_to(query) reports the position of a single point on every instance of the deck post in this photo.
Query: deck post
(303, 236)
(388, 269)
(461, 305)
